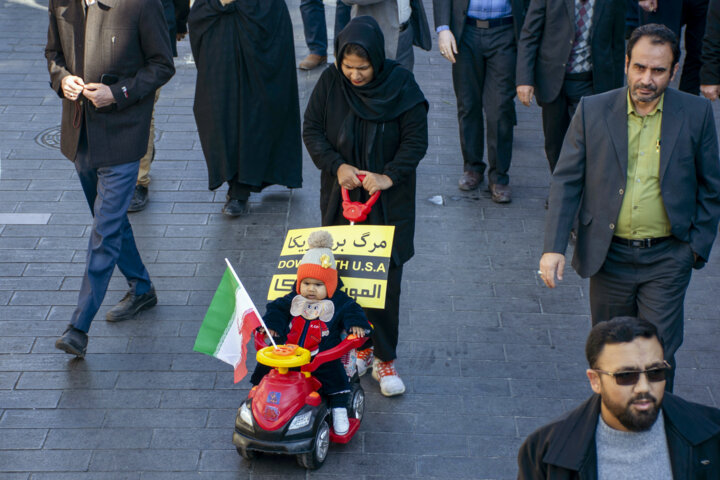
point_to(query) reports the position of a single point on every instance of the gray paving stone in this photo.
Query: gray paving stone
(44, 460)
(94, 439)
(144, 460)
(80, 418)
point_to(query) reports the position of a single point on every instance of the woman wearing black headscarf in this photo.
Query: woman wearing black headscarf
(368, 116)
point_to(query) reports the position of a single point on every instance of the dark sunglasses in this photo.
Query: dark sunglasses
(654, 375)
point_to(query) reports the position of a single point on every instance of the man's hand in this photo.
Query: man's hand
(648, 5)
(357, 331)
(72, 87)
(180, 36)
(374, 182)
(226, 2)
(525, 94)
(99, 94)
(347, 176)
(551, 264)
(711, 92)
(448, 47)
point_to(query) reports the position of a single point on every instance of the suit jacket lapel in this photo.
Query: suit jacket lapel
(616, 120)
(670, 128)
(598, 6)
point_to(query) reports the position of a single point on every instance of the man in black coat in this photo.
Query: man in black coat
(106, 59)
(639, 168)
(630, 427)
(479, 37)
(568, 49)
(710, 72)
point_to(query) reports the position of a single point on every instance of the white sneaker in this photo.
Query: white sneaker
(341, 424)
(364, 361)
(390, 382)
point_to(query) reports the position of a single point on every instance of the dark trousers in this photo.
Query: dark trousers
(313, 17)
(649, 283)
(405, 55)
(484, 80)
(386, 322)
(237, 190)
(108, 191)
(557, 114)
(674, 14)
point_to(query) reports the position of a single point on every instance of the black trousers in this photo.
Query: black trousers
(484, 81)
(556, 115)
(649, 283)
(386, 322)
(674, 14)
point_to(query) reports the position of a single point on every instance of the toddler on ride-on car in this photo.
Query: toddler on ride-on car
(313, 316)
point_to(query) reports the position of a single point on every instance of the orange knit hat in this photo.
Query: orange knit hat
(319, 262)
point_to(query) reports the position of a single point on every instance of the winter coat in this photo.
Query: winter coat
(565, 449)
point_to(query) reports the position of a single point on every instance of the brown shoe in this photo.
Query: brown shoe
(470, 180)
(312, 61)
(500, 193)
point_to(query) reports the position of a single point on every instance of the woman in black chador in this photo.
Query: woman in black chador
(368, 116)
(246, 96)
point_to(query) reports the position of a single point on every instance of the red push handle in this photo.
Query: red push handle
(357, 211)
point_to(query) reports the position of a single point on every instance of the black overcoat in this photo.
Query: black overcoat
(125, 38)
(404, 143)
(246, 96)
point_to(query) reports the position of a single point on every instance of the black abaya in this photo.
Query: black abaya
(246, 96)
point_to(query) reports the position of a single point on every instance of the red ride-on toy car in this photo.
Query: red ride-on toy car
(285, 414)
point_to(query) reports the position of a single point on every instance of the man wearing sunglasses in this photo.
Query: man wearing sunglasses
(619, 432)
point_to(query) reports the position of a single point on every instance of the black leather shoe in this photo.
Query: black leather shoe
(139, 200)
(131, 305)
(73, 341)
(234, 207)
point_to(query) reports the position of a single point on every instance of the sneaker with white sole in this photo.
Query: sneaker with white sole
(341, 424)
(390, 382)
(364, 360)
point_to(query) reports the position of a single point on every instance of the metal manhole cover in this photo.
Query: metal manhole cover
(49, 138)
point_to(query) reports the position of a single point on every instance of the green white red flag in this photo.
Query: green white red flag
(228, 324)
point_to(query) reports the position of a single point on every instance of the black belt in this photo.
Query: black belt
(403, 26)
(639, 243)
(489, 23)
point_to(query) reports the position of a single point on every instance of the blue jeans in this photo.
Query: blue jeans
(313, 17)
(108, 191)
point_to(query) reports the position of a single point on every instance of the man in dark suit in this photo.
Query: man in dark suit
(641, 166)
(568, 49)
(106, 59)
(479, 37)
(710, 73)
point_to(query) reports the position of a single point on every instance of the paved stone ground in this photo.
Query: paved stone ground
(487, 353)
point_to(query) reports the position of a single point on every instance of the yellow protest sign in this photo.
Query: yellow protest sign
(362, 259)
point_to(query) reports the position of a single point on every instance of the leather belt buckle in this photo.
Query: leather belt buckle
(482, 23)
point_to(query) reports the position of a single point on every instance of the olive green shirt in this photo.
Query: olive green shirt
(642, 214)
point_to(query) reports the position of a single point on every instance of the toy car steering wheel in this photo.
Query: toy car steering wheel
(284, 357)
(357, 211)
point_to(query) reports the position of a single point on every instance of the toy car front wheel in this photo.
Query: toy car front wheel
(316, 457)
(356, 407)
(246, 454)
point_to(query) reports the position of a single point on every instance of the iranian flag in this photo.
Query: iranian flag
(229, 323)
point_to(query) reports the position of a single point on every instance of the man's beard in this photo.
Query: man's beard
(656, 92)
(635, 421)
